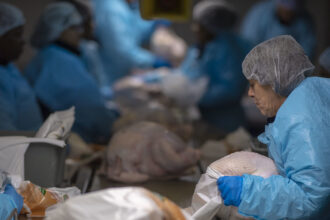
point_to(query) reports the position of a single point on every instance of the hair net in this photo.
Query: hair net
(215, 15)
(279, 62)
(324, 59)
(10, 18)
(288, 4)
(56, 18)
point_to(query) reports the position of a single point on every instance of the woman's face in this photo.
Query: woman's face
(11, 44)
(267, 101)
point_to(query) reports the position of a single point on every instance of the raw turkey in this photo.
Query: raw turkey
(206, 201)
(145, 151)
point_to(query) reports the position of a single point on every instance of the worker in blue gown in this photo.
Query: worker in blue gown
(59, 76)
(89, 47)
(121, 32)
(271, 18)
(297, 135)
(19, 109)
(217, 56)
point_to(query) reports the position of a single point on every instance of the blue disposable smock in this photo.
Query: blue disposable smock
(62, 82)
(19, 109)
(221, 63)
(262, 23)
(7, 205)
(298, 142)
(120, 31)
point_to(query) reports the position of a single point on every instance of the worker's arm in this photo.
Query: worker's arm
(117, 35)
(298, 194)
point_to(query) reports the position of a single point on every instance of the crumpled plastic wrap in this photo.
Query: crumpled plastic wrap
(206, 200)
(129, 203)
(57, 125)
(37, 199)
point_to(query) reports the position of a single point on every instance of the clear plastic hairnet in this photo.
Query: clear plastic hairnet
(279, 62)
(56, 18)
(324, 59)
(10, 18)
(215, 15)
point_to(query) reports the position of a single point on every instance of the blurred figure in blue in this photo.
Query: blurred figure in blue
(297, 103)
(271, 18)
(121, 31)
(218, 55)
(59, 76)
(89, 47)
(19, 109)
(9, 201)
(324, 61)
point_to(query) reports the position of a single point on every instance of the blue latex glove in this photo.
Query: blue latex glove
(230, 188)
(17, 198)
(161, 62)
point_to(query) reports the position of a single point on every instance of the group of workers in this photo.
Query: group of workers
(71, 69)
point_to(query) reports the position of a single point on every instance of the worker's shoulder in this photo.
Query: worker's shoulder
(309, 102)
(263, 7)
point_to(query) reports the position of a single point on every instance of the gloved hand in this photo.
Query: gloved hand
(17, 198)
(161, 62)
(231, 189)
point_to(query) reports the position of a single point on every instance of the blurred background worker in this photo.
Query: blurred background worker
(89, 47)
(121, 32)
(19, 109)
(324, 61)
(271, 18)
(297, 136)
(61, 79)
(217, 56)
(9, 201)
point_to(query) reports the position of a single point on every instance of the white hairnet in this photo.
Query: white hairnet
(215, 15)
(324, 59)
(56, 18)
(10, 18)
(279, 62)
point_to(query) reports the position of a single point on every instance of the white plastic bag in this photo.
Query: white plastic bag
(207, 202)
(129, 203)
(182, 90)
(57, 125)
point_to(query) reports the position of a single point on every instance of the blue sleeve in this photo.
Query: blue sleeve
(7, 205)
(56, 89)
(251, 27)
(117, 36)
(301, 192)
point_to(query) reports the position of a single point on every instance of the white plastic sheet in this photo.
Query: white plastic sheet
(57, 125)
(129, 203)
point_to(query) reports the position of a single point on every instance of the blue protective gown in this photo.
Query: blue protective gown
(221, 63)
(298, 142)
(261, 24)
(121, 31)
(7, 205)
(19, 109)
(62, 82)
